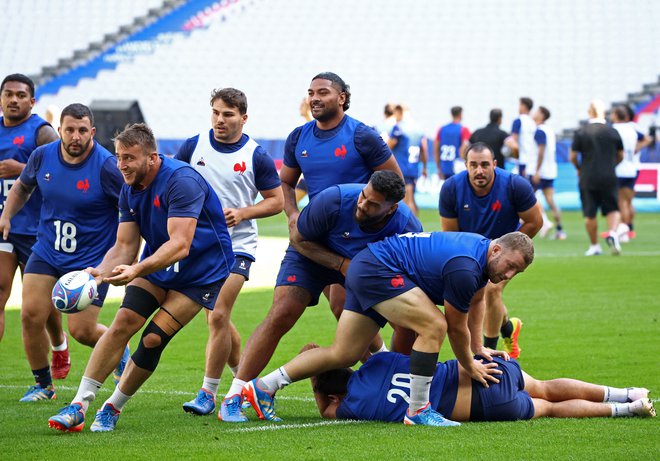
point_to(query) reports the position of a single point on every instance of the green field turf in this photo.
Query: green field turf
(595, 319)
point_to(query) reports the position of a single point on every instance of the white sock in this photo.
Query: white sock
(420, 388)
(615, 394)
(275, 381)
(211, 385)
(621, 409)
(86, 392)
(234, 370)
(61, 347)
(236, 387)
(118, 399)
(636, 393)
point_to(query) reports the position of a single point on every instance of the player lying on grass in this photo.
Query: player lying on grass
(402, 279)
(379, 391)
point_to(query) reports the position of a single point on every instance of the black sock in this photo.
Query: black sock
(423, 363)
(491, 342)
(507, 329)
(630, 226)
(42, 377)
(559, 227)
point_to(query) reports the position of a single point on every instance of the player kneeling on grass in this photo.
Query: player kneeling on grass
(380, 390)
(402, 279)
(186, 258)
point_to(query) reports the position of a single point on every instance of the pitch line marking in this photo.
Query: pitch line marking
(580, 255)
(157, 392)
(278, 427)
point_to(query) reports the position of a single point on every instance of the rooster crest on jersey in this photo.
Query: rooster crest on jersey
(73, 292)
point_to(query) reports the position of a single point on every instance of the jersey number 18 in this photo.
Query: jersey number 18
(65, 236)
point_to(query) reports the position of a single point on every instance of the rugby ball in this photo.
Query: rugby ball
(73, 292)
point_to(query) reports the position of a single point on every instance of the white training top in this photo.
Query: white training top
(628, 166)
(232, 177)
(548, 169)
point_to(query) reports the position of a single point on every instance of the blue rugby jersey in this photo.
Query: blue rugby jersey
(78, 221)
(17, 143)
(380, 389)
(348, 153)
(424, 256)
(492, 215)
(451, 137)
(180, 191)
(330, 219)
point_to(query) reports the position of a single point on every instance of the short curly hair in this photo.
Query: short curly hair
(339, 84)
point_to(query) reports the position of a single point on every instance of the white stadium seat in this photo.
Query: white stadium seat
(429, 54)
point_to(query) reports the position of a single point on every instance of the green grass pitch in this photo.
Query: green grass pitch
(590, 318)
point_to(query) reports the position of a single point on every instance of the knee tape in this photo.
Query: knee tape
(148, 357)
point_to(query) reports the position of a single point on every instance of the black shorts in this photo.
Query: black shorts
(593, 199)
(627, 183)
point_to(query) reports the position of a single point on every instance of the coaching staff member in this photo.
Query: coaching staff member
(602, 149)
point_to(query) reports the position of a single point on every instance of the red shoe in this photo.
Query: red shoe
(632, 234)
(511, 344)
(61, 363)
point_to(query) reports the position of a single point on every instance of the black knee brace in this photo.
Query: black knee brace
(140, 301)
(148, 357)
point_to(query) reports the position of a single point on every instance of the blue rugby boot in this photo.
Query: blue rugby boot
(36, 393)
(262, 402)
(203, 404)
(427, 416)
(70, 419)
(106, 419)
(231, 411)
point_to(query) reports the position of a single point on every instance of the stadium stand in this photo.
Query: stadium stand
(430, 54)
(36, 34)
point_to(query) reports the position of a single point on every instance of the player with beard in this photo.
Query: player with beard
(492, 202)
(21, 132)
(332, 149)
(402, 279)
(80, 184)
(186, 258)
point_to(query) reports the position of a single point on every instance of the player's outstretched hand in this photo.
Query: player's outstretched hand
(123, 274)
(94, 272)
(484, 372)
